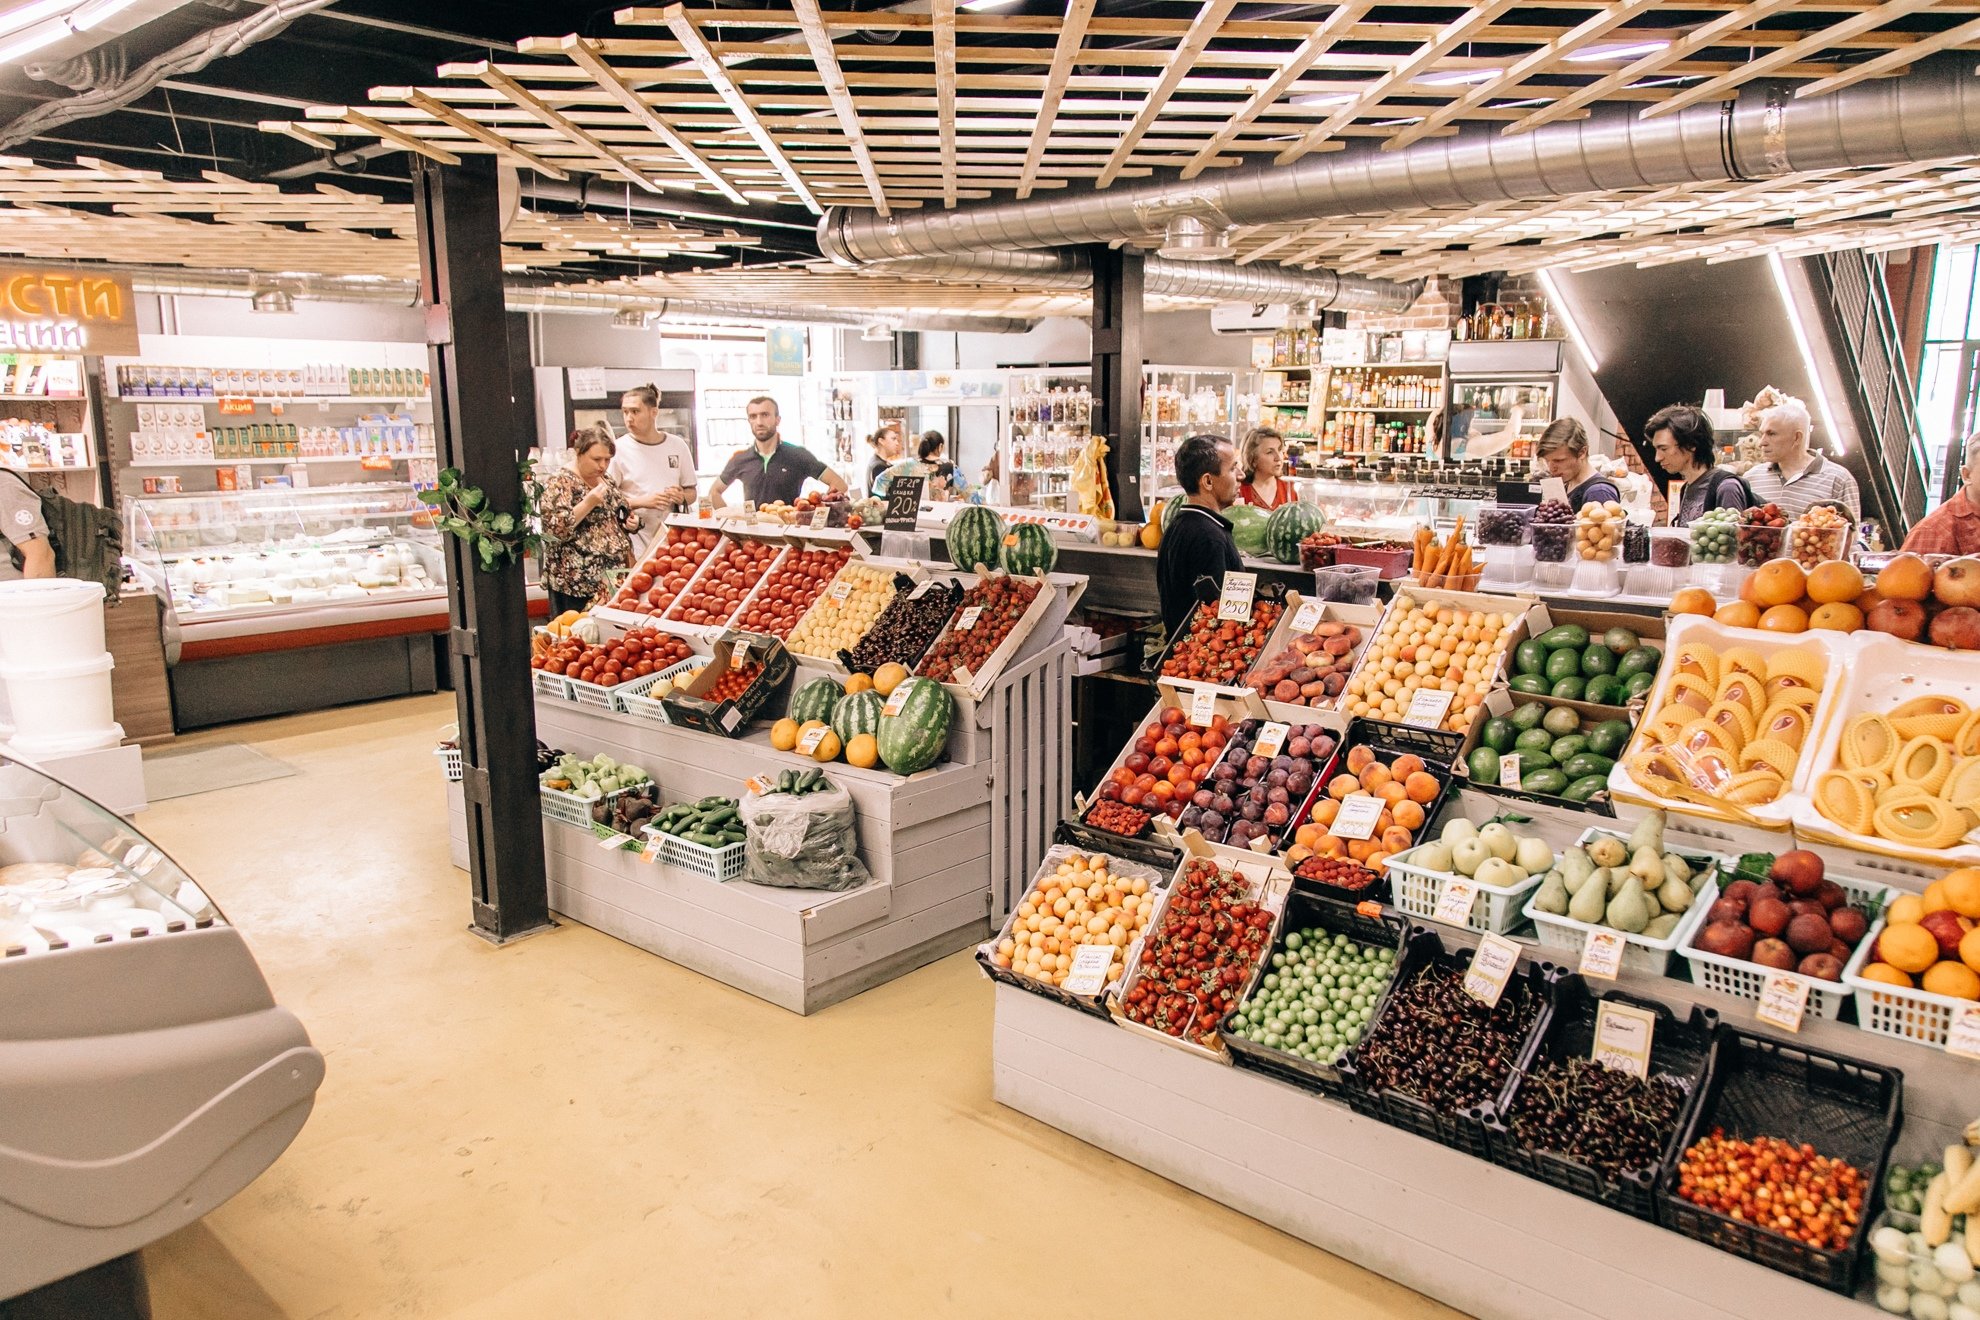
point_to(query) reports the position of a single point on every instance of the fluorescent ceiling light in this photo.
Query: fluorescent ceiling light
(1338, 98)
(33, 39)
(974, 5)
(1616, 51)
(1559, 304)
(51, 24)
(1456, 77)
(16, 19)
(1815, 382)
(89, 15)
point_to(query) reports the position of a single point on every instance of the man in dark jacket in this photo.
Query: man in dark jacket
(1197, 542)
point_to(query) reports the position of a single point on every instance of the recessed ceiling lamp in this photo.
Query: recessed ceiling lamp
(1187, 238)
(1616, 51)
(632, 318)
(276, 302)
(1456, 77)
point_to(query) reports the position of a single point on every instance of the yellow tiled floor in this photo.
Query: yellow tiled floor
(572, 1127)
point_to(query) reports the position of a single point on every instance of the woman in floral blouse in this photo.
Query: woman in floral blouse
(587, 527)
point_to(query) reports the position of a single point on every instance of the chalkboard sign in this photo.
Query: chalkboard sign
(1519, 492)
(903, 504)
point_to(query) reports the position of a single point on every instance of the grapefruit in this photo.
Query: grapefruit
(1778, 582)
(1836, 616)
(1834, 582)
(1738, 614)
(1784, 619)
(1693, 600)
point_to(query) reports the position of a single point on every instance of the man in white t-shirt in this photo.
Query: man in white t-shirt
(654, 471)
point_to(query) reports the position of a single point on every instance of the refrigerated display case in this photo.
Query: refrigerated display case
(1178, 402)
(1502, 395)
(1391, 503)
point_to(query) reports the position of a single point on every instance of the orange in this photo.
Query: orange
(1952, 978)
(1836, 616)
(1886, 973)
(1835, 581)
(1869, 600)
(1908, 948)
(1693, 600)
(1907, 577)
(1905, 910)
(1969, 949)
(1963, 891)
(1422, 787)
(1784, 619)
(1738, 614)
(1935, 896)
(1777, 582)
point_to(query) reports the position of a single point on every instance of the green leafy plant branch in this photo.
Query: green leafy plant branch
(497, 539)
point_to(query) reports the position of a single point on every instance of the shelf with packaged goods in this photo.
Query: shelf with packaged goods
(1359, 409)
(276, 462)
(42, 398)
(259, 399)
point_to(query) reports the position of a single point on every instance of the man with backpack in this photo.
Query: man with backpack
(29, 551)
(47, 534)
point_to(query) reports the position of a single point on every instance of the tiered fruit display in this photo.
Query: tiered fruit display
(713, 597)
(1761, 536)
(1632, 885)
(1732, 724)
(1778, 1185)
(1797, 920)
(1565, 662)
(1434, 1041)
(1170, 763)
(914, 725)
(1426, 644)
(1931, 942)
(783, 597)
(1318, 996)
(1249, 795)
(653, 586)
(1081, 901)
(907, 627)
(1312, 668)
(1557, 756)
(1001, 601)
(642, 651)
(1910, 774)
(1781, 596)
(1209, 939)
(844, 613)
(1221, 651)
(1407, 791)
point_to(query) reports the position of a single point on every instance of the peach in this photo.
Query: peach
(1422, 787)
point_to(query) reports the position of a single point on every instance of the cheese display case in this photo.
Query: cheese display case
(1393, 502)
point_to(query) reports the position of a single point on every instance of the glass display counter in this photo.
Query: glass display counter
(1391, 505)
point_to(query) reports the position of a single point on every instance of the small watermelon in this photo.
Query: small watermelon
(1169, 510)
(816, 700)
(1288, 526)
(858, 713)
(912, 738)
(975, 536)
(1028, 549)
(1248, 526)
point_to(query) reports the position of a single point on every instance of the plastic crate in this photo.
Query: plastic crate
(1495, 908)
(1266, 590)
(725, 863)
(450, 763)
(1757, 1086)
(1464, 1130)
(571, 809)
(1745, 980)
(1309, 905)
(550, 685)
(1640, 953)
(631, 699)
(1680, 1048)
(1150, 849)
(1439, 748)
(1909, 1014)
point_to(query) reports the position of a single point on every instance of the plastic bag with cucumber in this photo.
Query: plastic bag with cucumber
(802, 839)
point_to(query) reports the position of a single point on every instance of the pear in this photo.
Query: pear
(1676, 867)
(1647, 866)
(1627, 911)
(1649, 833)
(1576, 867)
(1607, 851)
(1661, 928)
(1552, 897)
(1651, 907)
(1591, 899)
(1675, 895)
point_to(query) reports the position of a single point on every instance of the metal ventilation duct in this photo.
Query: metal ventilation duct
(1930, 113)
(1068, 269)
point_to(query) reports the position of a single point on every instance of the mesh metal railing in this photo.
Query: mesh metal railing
(1899, 470)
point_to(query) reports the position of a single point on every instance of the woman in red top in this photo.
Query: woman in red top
(1264, 455)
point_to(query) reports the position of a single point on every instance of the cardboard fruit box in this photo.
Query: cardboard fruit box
(1303, 615)
(1649, 631)
(688, 706)
(1501, 703)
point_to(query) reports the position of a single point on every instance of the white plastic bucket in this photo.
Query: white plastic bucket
(66, 744)
(50, 622)
(60, 701)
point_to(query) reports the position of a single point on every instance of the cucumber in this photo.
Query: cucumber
(712, 800)
(1587, 764)
(1586, 787)
(1571, 635)
(703, 838)
(1532, 684)
(1543, 781)
(1569, 689)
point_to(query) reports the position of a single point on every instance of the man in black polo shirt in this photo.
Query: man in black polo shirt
(771, 471)
(1197, 543)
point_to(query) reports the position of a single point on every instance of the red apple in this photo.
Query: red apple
(1774, 953)
(1799, 872)
(1947, 928)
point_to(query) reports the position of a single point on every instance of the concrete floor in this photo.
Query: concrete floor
(571, 1126)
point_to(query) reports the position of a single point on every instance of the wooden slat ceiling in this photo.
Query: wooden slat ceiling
(814, 105)
(96, 211)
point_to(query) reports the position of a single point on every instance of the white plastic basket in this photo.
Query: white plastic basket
(1745, 980)
(596, 695)
(550, 685)
(570, 809)
(1640, 953)
(631, 699)
(716, 863)
(450, 763)
(1415, 890)
(1918, 1016)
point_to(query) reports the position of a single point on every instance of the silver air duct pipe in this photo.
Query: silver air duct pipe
(1931, 113)
(1068, 269)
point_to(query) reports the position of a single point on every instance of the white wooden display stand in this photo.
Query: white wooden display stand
(1488, 1241)
(945, 846)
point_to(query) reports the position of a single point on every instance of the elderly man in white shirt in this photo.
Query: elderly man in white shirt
(1790, 476)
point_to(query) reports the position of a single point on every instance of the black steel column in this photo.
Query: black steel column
(1117, 363)
(480, 432)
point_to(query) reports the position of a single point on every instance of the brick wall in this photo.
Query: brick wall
(1435, 310)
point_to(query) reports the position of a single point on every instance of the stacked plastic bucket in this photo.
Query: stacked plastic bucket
(55, 668)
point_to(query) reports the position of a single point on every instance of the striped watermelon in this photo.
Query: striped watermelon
(816, 700)
(858, 713)
(1169, 510)
(912, 738)
(1028, 549)
(1288, 526)
(975, 536)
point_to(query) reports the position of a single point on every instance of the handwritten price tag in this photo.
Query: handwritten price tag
(1202, 707)
(840, 591)
(1090, 965)
(1270, 739)
(1368, 907)
(1964, 1038)
(1509, 770)
(1239, 591)
(1308, 617)
(1428, 707)
(1454, 902)
(613, 841)
(1358, 816)
(1783, 1001)
(739, 657)
(651, 852)
(967, 619)
(1602, 954)
(1491, 968)
(1622, 1038)
(819, 517)
(812, 737)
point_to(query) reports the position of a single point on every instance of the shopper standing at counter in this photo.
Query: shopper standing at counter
(1681, 438)
(1563, 450)
(886, 444)
(1790, 475)
(1264, 460)
(587, 526)
(1954, 527)
(1198, 542)
(654, 471)
(772, 470)
(29, 552)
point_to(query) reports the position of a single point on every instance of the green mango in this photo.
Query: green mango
(1571, 635)
(1528, 715)
(1642, 660)
(1564, 664)
(1543, 781)
(1483, 765)
(1498, 733)
(1572, 745)
(1619, 640)
(1561, 721)
(1536, 685)
(1537, 759)
(1569, 689)
(1638, 685)
(1587, 763)
(1604, 690)
(1585, 787)
(1530, 657)
(1533, 740)
(1609, 737)
(1597, 660)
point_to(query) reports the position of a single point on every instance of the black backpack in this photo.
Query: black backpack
(88, 543)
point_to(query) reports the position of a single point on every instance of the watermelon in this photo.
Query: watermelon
(816, 700)
(1248, 526)
(858, 713)
(1169, 510)
(1288, 526)
(912, 738)
(975, 536)
(1028, 549)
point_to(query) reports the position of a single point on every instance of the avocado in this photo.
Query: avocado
(1586, 787)
(1609, 737)
(1604, 690)
(1570, 635)
(1532, 684)
(1533, 740)
(1585, 764)
(1498, 733)
(1619, 640)
(1528, 715)
(1597, 660)
(1543, 781)
(1537, 759)
(1530, 657)
(1638, 685)
(1643, 660)
(1563, 664)
(1561, 721)
(1571, 745)
(1569, 689)
(1484, 765)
